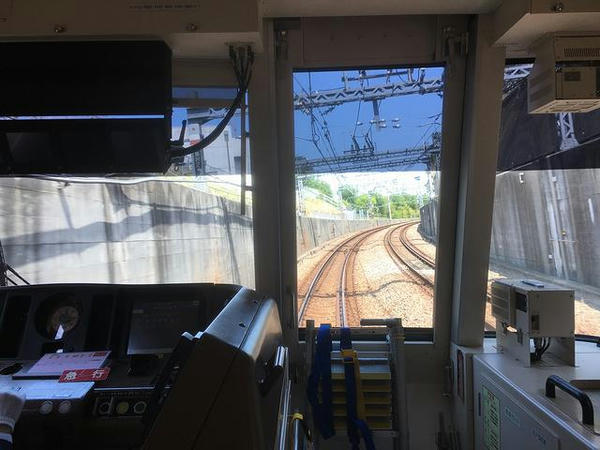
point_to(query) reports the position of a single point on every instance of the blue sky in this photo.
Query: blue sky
(417, 116)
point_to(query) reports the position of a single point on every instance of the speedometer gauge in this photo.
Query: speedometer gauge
(58, 315)
(62, 320)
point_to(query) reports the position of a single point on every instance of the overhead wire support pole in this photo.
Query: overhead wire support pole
(335, 97)
(345, 94)
(568, 139)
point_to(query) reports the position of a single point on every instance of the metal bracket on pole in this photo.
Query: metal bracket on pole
(281, 44)
(567, 131)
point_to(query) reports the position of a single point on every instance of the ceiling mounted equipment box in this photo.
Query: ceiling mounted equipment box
(566, 75)
(520, 23)
(84, 107)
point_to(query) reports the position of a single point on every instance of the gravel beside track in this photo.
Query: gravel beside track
(385, 287)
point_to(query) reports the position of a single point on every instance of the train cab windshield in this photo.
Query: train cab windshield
(184, 225)
(365, 170)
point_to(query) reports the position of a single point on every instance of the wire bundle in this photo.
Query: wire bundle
(540, 345)
(242, 60)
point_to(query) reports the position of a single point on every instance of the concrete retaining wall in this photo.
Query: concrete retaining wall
(312, 232)
(545, 221)
(159, 232)
(153, 232)
(428, 227)
(549, 221)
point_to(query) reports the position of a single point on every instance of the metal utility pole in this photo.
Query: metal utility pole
(199, 161)
(226, 137)
(300, 192)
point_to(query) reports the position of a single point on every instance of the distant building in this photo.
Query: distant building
(222, 156)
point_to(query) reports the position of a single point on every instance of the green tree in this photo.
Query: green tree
(402, 206)
(348, 194)
(363, 202)
(379, 203)
(319, 185)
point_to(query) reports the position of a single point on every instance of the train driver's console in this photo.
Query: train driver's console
(131, 366)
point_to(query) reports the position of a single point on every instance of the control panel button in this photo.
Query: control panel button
(104, 407)
(122, 408)
(64, 407)
(139, 407)
(46, 407)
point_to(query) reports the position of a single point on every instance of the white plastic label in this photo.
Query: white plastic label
(491, 420)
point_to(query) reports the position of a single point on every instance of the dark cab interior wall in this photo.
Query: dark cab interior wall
(533, 141)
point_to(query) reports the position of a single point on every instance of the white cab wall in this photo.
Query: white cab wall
(342, 42)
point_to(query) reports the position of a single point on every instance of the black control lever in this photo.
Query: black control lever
(587, 408)
(274, 370)
(13, 368)
(170, 370)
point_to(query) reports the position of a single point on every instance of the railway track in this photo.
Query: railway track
(346, 248)
(426, 259)
(413, 249)
(340, 260)
(401, 260)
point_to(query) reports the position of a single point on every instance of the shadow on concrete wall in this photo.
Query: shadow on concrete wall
(172, 242)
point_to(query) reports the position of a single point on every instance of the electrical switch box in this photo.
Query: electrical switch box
(536, 308)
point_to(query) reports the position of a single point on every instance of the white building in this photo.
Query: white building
(222, 156)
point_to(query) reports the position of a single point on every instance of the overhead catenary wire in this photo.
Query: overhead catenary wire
(314, 135)
(323, 125)
(320, 131)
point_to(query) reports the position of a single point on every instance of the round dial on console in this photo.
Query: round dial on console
(58, 315)
(65, 316)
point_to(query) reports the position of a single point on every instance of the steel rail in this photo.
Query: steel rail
(397, 258)
(315, 280)
(416, 252)
(342, 287)
(412, 249)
